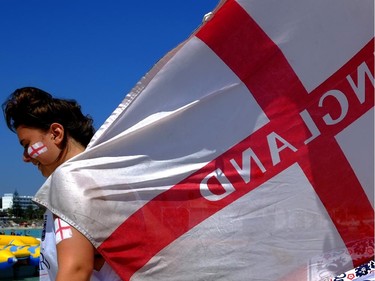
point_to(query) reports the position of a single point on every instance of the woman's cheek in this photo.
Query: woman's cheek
(37, 149)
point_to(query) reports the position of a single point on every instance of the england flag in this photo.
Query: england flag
(246, 153)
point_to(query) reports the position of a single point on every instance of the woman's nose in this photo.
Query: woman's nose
(26, 156)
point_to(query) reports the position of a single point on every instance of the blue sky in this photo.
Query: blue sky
(92, 51)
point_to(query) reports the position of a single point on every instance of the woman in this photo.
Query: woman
(52, 131)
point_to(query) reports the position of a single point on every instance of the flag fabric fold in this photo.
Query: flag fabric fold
(246, 153)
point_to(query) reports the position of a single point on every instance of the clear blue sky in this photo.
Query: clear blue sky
(90, 50)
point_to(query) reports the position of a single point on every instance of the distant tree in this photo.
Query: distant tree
(39, 212)
(16, 206)
(3, 213)
(8, 212)
(29, 213)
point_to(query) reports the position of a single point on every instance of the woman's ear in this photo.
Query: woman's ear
(57, 132)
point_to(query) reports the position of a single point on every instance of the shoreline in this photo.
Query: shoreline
(22, 231)
(20, 227)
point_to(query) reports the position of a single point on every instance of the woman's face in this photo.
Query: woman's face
(40, 148)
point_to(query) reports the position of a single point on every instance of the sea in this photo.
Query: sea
(35, 232)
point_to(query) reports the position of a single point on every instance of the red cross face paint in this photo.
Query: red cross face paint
(36, 149)
(62, 230)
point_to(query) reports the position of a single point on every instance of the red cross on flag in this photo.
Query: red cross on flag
(246, 153)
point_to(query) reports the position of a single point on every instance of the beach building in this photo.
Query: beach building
(9, 199)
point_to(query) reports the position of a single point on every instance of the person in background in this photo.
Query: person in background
(51, 131)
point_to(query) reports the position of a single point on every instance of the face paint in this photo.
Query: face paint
(62, 230)
(36, 149)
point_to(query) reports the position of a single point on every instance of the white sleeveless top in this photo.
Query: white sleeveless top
(48, 256)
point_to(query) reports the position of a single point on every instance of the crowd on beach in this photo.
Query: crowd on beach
(12, 228)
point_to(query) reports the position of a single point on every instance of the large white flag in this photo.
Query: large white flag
(246, 153)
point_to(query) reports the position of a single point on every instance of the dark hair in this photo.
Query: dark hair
(35, 108)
